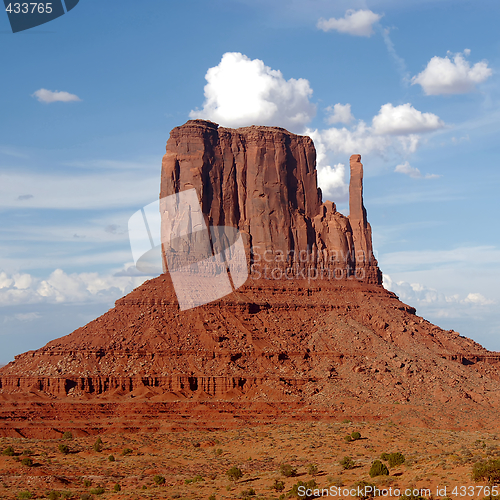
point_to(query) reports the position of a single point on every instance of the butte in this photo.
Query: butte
(311, 335)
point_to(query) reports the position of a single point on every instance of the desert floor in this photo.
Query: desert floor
(194, 463)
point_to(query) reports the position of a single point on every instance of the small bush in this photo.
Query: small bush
(27, 461)
(287, 470)
(67, 435)
(248, 493)
(111, 458)
(64, 449)
(86, 496)
(294, 492)
(97, 491)
(98, 445)
(385, 456)
(212, 497)
(87, 483)
(356, 435)
(347, 463)
(159, 480)
(195, 479)
(27, 452)
(364, 488)
(312, 469)
(53, 495)
(278, 485)
(378, 469)
(22, 495)
(396, 459)
(9, 451)
(117, 488)
(487, 471)
(218, 452)
(348, 438)
(234, 473)
(126, 451)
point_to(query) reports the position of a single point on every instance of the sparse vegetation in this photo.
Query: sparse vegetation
(22, 495)
(67, 435)
(64, 449)
(97, 491)
(487, 471)
(98, 445)
(347, 463)
(396, 459)
(309, 485)
(378, 469)
(278, 485)
(9, 451)
(312, 469)
(364, 488)
(248, 493)
(234, 473)
(28, 462)
(159, 480)
(126, 451)
(287, 470)
(117, 488)
(355, 436)
(111, 458)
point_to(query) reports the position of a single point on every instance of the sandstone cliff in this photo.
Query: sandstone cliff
(262, 180)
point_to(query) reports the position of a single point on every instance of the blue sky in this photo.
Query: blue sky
(88, 101)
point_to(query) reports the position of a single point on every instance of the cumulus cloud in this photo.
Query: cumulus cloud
(419, 294)
(331, 180)
(395, 129)
(404, 119)
(48, 96)
(452, 74)
(355, 22)
(340, 113)
(241, 92)
(60, 287)
(413, 172)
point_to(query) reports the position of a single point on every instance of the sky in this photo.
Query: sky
(88, 100)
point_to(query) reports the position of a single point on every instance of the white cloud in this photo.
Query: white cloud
(331, 180)
(340, 113)
(48, 96)
(404, 119)
(60, 287)
(451, 76)
(413, 172)
(355, 22)
(241, 92)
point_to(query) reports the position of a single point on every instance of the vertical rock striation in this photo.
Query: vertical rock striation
(262, 180)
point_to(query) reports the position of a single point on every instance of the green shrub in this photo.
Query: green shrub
(378, 469)
(98, 445)
(218, 452)
(117, 488)
(363, 487)
(53, 495)
(111, 458)
(347, 463)
(385, 456)
(27, 452)
(87, 483)
(159, 480)
(287, 470)
(64, 449)
(294, 492)
(396, 459)
(234, 473)
(278, 485)
(126, 451)
(212, 497)
(9, 451)
(67, 435)
(248, 493)
(86, 496)
(195, 479)
(97, 491)
(348, 438)
(355, 436)
(487, 471)
(312, 469)
(22, 495)
(27, 461)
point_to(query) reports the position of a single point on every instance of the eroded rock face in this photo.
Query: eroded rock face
(262, 180)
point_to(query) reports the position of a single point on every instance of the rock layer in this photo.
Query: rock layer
(262, 180)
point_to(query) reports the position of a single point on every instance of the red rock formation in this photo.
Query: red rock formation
(262, 180)
(326, 346)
